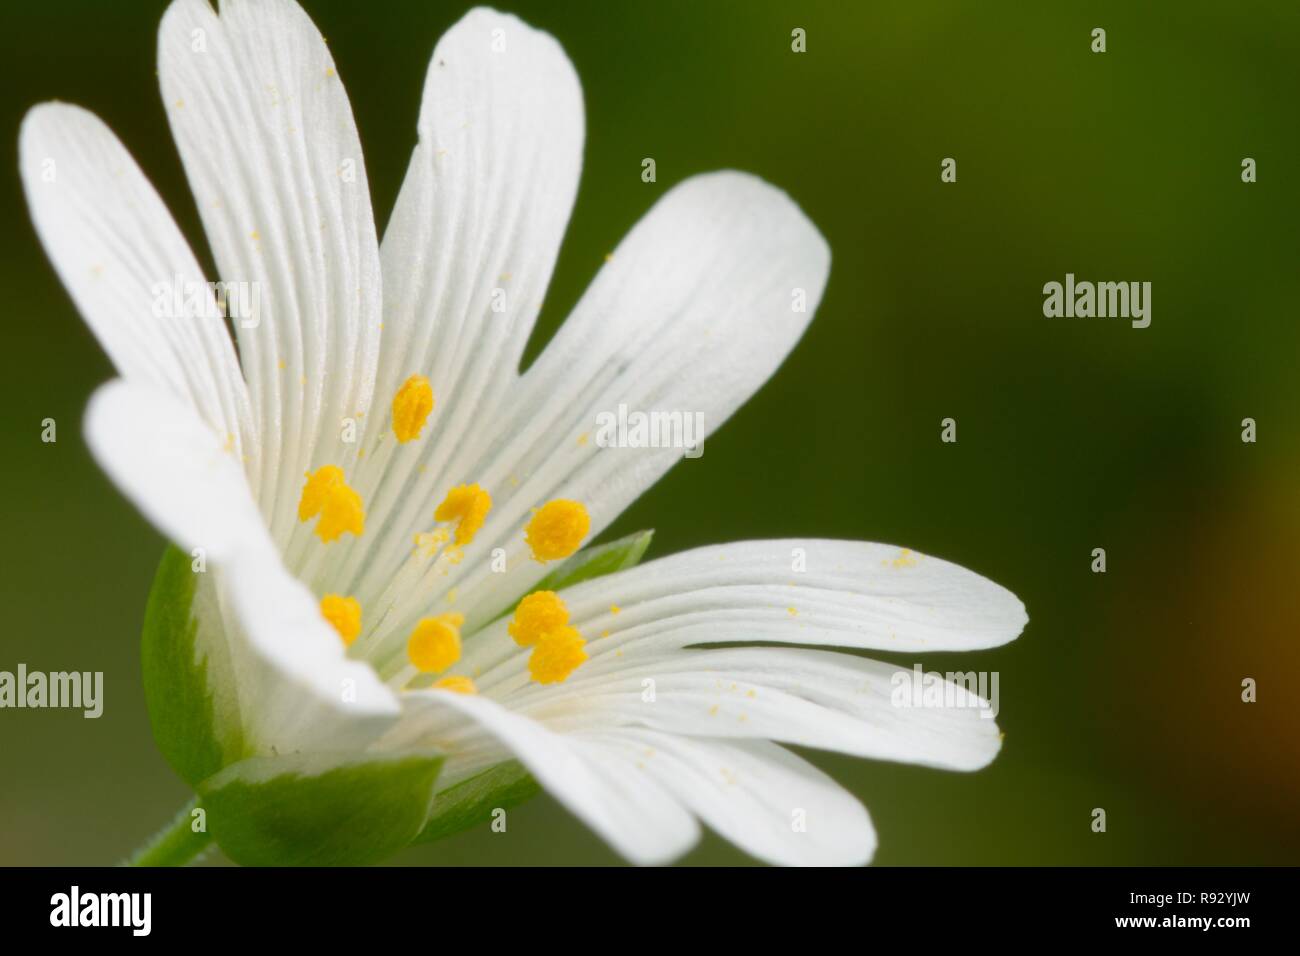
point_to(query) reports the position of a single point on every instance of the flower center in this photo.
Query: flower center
(433, 645)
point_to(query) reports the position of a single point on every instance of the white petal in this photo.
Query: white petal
(269, 144)
(639, 789)
(762, 798)
(693, 314)
(128, 268)
(296, 688)
(174, 468)
(478, 223)
(638, 817)
(811, 698)
(849, 594)
(477, 227)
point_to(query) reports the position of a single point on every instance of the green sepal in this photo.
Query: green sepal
(597, 561)
(319, 810)
(177, 691)
(473, 801)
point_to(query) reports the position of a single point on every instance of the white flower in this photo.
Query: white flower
(398, 401)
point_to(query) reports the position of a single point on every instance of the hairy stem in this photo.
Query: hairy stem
(175, 844)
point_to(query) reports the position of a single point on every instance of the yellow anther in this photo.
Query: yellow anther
(328, 495)
(468, 506)
(456, 683)
(411, 407)
(344, 615)
(434, 645)
(557, 655)
(557, 529)
(313, 492)
(536, 616)
(342, 511)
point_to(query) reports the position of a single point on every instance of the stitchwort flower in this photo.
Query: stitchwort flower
(384, 618)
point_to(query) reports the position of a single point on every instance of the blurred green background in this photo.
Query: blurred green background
(1124, 691)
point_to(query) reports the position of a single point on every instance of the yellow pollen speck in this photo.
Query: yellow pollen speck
(283, 365)
(713, 711)
(255, 235)
(904, 559)
(411, 407)
(451, 596)
(537, 615)
(583, 438)
(456, 683)
(328, 495)
(557, 529)
(431, 541)
(604, 633)
(792, 611)
(468, 506)
(434, 645)
(557, 655)
(751, 693)
(614, 609)
(329, 71)
(344, 615)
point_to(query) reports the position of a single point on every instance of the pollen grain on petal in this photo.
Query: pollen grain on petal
(434, 644)
(557, 529)
(340, 508)
(343, 614)
(536, 616)
(429, 543)
(456, 683)
(411, 407)
(557, 655)
(468, 506)
(905, 559)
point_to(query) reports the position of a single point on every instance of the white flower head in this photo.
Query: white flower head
(369, 495)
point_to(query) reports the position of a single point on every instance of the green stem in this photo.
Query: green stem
(175, 844)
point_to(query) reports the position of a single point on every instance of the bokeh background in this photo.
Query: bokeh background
(1124, 691)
